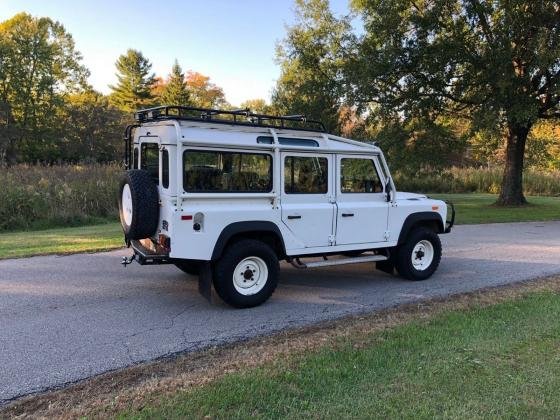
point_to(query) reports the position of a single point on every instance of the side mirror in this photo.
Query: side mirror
(388, 189)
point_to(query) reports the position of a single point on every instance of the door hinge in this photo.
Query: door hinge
(332, 199)
(387, 234)
(332, 239)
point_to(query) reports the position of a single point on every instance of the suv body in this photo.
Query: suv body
(222, 187)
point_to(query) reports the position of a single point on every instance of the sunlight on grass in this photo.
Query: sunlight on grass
(61, 241)
(479, 208)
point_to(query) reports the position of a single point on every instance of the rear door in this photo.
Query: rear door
(362, 208)
(306, 198)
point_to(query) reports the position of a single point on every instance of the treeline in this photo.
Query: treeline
(49, 113)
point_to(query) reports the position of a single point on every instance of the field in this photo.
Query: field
(471, 208)
(479, 208)
(40, 197)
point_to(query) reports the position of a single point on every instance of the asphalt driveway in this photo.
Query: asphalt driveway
(66, 318)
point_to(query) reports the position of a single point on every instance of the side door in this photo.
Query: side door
(307, 197)
(362, 208)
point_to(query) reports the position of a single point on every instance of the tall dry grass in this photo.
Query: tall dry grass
(44, 196)
(478, 180)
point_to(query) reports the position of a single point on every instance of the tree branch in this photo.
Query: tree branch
(486, 30)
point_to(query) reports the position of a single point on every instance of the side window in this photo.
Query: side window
(359, 176)
(209, 171)
(306, 175)
(165, 168)
(135, 158)
(288, 141)
(149, 160)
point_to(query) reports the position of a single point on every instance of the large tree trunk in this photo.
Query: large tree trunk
(511, 193)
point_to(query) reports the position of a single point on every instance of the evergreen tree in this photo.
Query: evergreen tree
(133, 91)
(175, 90)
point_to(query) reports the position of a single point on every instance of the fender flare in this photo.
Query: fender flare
(245, 227)
(415, 218)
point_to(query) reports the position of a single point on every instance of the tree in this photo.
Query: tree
(258, 106)
(203, 93)
(175, 89)
(92, 128)
(38, 67)
(133, 90)
(311, 59)
(495, 61)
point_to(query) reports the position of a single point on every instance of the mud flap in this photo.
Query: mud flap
(386, 266)
(205, 281)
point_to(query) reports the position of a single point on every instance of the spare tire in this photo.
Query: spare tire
(138, 204)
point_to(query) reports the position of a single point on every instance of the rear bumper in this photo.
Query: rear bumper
(449, 223)
(147, 256)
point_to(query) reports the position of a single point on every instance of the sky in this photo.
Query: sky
(232, 41)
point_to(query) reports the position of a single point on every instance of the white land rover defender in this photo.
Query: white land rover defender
(226, 195)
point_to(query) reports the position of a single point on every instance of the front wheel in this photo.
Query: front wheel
(419, 257)
(247, 274)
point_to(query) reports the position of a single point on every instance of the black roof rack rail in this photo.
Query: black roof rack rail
(235, 116)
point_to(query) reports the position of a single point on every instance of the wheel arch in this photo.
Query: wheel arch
(430, 220)
(264, 231)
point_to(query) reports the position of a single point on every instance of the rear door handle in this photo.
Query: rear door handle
(293, 216)
(347, 214)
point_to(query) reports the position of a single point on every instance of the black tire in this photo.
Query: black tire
(145, 205)
(404, 264)
(225, 267)
(188, 266)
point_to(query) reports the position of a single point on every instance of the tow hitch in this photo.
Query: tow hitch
(128, 260)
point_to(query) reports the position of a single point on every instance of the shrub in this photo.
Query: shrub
(43, 196)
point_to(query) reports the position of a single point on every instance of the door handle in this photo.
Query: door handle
(293, 216)
(347, 214)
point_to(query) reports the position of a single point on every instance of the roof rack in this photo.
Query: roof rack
(237, 116)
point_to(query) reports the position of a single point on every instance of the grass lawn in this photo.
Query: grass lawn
(492, 361)
(61, 240)
(479, 208)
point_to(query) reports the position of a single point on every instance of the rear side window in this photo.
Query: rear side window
(221, 172)
(165, 169)
(306, 175)
(149, 160)
(135, 158)
(359, 176)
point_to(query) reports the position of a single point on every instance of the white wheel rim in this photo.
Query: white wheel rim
(422, 255)
(250, 276)
(127, 205)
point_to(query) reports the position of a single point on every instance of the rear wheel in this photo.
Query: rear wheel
(419, 257)
(247, 274)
